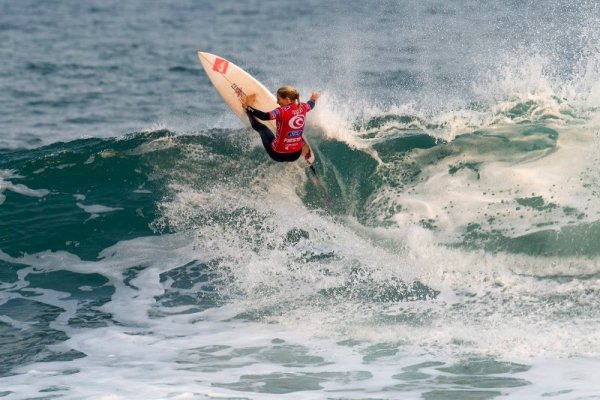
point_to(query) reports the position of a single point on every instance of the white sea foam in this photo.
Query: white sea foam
(18, 188)
(96, 209)
(363, 260)
(349, 347)
(497, 191)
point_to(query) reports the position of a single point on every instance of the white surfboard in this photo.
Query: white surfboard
(231, 81)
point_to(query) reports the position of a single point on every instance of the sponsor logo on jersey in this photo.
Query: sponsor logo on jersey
(297, 122)
(294, 133)
(220, 65)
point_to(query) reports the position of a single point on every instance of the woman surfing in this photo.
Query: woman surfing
(287, 144)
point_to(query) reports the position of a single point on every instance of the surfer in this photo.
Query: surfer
(288, 143)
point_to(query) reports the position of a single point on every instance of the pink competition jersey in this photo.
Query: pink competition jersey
(290, 124)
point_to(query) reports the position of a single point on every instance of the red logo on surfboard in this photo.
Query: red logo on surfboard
(220, 65)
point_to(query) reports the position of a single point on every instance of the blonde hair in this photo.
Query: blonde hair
(291, 93)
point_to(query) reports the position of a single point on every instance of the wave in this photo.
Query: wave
(479, 189)
(428, 233)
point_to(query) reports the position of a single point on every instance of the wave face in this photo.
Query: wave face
(150, 249)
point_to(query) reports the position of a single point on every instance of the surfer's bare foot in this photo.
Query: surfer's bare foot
(306, 153)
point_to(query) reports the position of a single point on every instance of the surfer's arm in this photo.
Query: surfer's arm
(313, 100)
(249, 99)
(259, 114)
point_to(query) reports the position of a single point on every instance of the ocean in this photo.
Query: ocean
(150, 249)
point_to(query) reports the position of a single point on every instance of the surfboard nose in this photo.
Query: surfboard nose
(206, 59)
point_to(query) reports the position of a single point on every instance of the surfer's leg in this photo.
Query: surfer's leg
(265, 133)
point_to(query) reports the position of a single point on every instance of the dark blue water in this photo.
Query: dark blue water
(150, 249)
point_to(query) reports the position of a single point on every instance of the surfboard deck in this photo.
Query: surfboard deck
(231, 82)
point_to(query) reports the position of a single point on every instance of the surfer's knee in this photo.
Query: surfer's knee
(254, 122)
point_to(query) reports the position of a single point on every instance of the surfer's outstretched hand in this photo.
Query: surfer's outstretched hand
(247, 100)
(314, 96)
